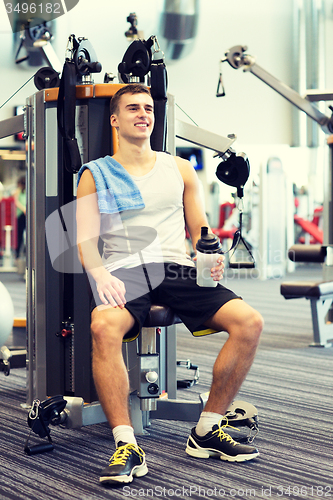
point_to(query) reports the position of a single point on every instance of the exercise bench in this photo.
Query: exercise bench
(319, 293)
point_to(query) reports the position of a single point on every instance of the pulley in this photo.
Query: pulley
(234, 170)
(46, 78)
(136, 61)
(85, 59)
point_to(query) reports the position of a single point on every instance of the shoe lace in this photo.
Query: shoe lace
(220, 431)
(123, 452)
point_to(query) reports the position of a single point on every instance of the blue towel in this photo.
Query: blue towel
(115, 187)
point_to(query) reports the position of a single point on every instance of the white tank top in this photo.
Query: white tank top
(155, 233)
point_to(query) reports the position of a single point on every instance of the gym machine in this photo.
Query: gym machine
(320, 294)
(237, 57)
(62, 133)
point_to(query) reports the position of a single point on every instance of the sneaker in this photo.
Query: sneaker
(219, 444)
(128, 461)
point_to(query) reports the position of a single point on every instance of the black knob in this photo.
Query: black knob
(153, 389)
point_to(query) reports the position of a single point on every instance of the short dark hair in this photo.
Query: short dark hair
(131, 88)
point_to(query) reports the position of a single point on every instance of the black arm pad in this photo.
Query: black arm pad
(307, 253)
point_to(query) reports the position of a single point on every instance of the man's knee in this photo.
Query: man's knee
(252, 327)
(240, 320)
(107, 331)
(258, 322)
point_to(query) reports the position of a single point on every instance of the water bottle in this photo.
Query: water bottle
(208, 250)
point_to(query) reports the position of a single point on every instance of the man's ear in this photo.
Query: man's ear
(113, 121)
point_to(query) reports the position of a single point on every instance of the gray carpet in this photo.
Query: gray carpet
(289, 383)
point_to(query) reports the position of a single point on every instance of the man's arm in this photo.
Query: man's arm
(195, 216)
(110, 289)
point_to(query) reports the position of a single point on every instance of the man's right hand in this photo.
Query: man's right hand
(111, 290)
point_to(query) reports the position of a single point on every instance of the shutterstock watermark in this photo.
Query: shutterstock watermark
(35, 12)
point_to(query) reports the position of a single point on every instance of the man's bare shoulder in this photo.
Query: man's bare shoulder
(185, 168)
(181, 162)
(87, 183)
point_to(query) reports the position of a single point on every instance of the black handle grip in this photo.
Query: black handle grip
(38, 448)
(241, 265)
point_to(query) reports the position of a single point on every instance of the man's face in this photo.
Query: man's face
(135, 117)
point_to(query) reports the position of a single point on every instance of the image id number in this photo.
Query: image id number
(34, 8)
(305, 491)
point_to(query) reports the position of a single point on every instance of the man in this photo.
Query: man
(170, 192)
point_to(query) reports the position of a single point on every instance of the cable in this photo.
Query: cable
(17, 91)
(188, 116)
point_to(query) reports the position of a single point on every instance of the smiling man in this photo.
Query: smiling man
(165, 199)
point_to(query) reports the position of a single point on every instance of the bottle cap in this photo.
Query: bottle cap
(209, 242)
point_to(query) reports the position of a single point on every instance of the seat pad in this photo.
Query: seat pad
(296, 289)
(160, 315)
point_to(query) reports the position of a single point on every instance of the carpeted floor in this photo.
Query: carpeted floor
(289, 383)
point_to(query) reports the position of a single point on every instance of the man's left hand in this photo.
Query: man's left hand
(217, 271)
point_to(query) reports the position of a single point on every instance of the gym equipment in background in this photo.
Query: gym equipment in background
(319, 293)
(237, 57)
(234, 170)
(178, 27)
(6, 325)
